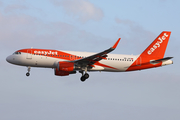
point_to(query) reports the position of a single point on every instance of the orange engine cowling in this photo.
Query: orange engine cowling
(60, 73)
(65, 66)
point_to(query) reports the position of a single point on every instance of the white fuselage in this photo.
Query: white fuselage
(114, 62)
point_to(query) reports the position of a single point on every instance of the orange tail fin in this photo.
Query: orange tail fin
(154, 51)
(158, 47)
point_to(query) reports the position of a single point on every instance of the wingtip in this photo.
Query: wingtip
(115, 45)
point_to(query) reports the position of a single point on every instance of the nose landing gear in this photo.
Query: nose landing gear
(27, 74)
(29, 68)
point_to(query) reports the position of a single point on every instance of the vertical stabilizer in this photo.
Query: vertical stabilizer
(158, 47)
(154, 51)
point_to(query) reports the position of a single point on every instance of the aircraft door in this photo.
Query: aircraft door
(138, 61)
(72, 57)
(29, 54)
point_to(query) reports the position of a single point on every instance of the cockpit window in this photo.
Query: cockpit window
(17, 53)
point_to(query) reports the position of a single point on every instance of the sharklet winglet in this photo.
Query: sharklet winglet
(115, 45)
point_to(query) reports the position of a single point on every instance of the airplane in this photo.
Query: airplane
(65, 63)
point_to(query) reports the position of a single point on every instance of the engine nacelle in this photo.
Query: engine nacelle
(63, 73)
(65, 66)
(60, 73)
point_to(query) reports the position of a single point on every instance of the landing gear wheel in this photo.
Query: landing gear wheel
(83, 78)
(27, 74)
(86, 75)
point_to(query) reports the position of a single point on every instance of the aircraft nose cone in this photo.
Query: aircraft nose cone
(8, 59)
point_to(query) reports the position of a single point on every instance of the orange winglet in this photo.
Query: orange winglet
(115, 45)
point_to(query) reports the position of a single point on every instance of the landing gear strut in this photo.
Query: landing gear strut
(29, 68)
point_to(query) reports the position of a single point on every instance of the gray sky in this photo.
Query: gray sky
(88, 25)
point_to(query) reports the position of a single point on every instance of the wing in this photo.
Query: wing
(90, 60)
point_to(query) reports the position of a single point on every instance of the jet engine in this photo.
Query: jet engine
(64, 68)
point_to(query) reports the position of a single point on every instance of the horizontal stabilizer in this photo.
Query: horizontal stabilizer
(161, 60)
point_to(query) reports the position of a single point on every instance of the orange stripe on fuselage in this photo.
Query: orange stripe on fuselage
(51, 53)
(142, 63)
(103, 65)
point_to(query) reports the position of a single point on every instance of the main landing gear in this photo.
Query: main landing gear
(29, 68)
(84, 76)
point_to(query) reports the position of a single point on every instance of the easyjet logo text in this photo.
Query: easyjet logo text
(158, 43)
(45, 52)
